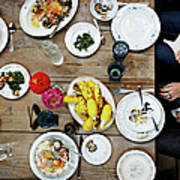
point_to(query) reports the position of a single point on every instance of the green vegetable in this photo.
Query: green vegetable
(14, 80)
(83, 42)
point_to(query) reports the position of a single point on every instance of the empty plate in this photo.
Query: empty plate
(136, 24)
(136, 165)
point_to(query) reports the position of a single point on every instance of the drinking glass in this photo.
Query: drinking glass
(120, 50)
(116, 70)
(5, 152)
(52, 51)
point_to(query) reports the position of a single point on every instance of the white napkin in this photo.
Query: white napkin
(175, 45)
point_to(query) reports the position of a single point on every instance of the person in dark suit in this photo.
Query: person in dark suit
(167, 62)
(167, 78)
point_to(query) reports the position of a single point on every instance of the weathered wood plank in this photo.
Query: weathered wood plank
(28, 52)
(18, 167)
(14, 115)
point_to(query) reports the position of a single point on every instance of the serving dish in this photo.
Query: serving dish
(72, 164)
(25, 19)
(105, 93)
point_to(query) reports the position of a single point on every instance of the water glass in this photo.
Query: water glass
(52, 51)
(120, 50)
(5, 152)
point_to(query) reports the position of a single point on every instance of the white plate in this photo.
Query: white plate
(79, 29)
(6, 92)
(132, 101)
(25, 19)
(105, 93)
(69, 171)
(102, 153)
(130, 130)
(109, 15)
(136, 165)
(3, 35)
(136, 24)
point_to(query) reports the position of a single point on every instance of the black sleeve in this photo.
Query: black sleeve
(167, 5)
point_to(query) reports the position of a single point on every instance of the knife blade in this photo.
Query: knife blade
(126, 91)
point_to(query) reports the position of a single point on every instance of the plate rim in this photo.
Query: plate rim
(106, 89)
(120, 11)
(80, 54)
(5, 40)
(46, 32)
(108, 142)
(137, 151)
(34, 145)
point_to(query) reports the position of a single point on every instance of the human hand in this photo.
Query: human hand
(177, 56)
(178, 117)
(171, 91)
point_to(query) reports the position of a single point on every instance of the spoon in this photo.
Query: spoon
(71, 149)
(12, 29)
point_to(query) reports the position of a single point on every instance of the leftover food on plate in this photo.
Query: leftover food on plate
(83, 42)
(90, 105)
(13, 80)
(103, 9)
(49, 12)
(51, 163)
(91, 146)
(137, 116)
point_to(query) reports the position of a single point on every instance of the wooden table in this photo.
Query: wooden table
(14, 120)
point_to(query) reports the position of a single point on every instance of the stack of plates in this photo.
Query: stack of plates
(139, 132)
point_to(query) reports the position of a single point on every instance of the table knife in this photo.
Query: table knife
(79, 164)
(126, 3)
(126, 91)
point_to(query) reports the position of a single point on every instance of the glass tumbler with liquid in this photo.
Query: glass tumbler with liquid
(52, 51)
(5, 152)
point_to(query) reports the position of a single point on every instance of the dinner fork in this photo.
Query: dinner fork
(51, 35)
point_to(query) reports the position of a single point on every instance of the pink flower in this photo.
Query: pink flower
(52, 98)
